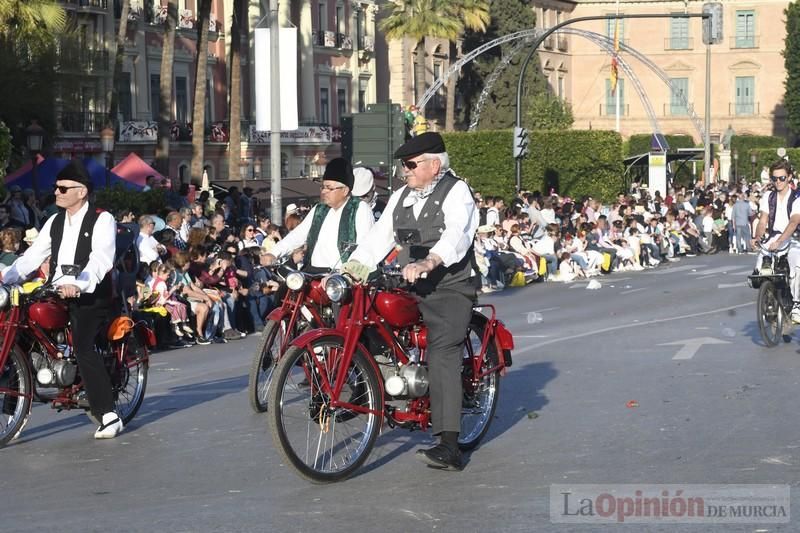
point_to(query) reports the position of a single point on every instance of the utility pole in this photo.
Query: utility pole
(275, 114)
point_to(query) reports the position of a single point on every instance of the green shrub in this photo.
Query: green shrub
(117, 198)
(574, 162)
(640, 143)
(743, 145)
(764, 158)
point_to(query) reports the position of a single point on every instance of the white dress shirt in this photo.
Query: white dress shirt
(461, 220)
(148, 248)
(326, 252)
(101, 258)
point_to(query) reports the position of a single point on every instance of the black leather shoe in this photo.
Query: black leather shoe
(442, 458)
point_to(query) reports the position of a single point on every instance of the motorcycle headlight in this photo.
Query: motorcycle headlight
(337, 288)
(295, 281)
(5, 297)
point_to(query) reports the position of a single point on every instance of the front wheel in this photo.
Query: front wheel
(771, 315)
(323, 443)
(273, 339)
(128, 379)
(480, 396)
(16, 392)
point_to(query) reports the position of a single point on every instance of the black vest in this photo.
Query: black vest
(103, 291)
(418, 235)
(773, 208)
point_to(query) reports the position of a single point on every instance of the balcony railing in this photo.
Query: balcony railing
(610, 110)
(562, 43)
(76, 59)
(548, 42)
(678, 43)
(744, 108)
(367, 43)
(101, 4)
(345, 42)
(744, 41)
(83, 121)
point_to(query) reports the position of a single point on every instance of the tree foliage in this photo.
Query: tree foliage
(547, 112)
(791, 59)
(117, 198)
(507, 16)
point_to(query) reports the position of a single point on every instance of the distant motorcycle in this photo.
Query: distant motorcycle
(37, 362)
(334, 387)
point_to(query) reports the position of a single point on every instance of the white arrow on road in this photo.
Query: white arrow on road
(731, 285)
(690, 346)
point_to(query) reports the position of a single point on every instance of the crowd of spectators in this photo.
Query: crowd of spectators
(202, 273)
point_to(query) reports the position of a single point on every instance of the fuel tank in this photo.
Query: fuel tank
(399, 310)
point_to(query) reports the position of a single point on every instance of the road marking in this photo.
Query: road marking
(675, 269)
(731, 285)
(634, 290)
(531, 336)
(690, 346)
(541, 310)
(630, 325)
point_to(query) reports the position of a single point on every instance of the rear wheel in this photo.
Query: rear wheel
(16, 391)
(481, 396)
(323, 443)
(771, 315)
(265, 361)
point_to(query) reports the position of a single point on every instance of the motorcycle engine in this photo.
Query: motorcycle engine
(59, 372)
(410, 380)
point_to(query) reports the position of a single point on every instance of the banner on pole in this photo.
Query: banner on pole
(288, 79)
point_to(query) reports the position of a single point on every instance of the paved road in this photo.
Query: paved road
(197, 459)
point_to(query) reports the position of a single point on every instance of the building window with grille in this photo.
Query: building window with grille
(322, 16)
(745, 95)
(679, 93)
(610, 23)
(362, 96)
(611, 98)
(341, 102)
(324, 105)
(125, 108)
(560, 87)
(745, 29)
(181, 100)
(679, 34)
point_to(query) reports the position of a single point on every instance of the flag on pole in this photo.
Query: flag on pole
(614, 66)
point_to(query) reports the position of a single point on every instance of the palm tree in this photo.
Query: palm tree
(235, 112)
(475, 15)
(122, 32)
(165, 88)
(417, 19)
(200, 78)
(32, 21)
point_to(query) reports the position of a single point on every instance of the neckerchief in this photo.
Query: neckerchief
(420, 194)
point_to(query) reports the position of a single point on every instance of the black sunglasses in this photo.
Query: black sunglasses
(411, 165)
(63, 188)
(779, 178)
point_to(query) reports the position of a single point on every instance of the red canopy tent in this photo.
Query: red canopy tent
(135, 170)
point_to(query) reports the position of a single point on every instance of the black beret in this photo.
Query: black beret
(75, 171)
(340, 170)
(429, 142)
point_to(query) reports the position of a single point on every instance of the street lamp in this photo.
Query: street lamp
(107, 145)
(35, 137)
(753, 160)
(257, 169)
(736, 166)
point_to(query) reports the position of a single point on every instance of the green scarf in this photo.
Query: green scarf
(347, 228)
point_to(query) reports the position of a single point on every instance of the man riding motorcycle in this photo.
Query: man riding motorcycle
(779, 215)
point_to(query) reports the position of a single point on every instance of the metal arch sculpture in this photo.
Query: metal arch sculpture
(607, 43)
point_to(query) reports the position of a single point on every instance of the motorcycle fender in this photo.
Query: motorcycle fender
(147, 335)
(316, 334)
(504, 336)
(276, 314)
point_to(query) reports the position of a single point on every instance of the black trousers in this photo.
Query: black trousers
(446, 312)
(87, 320)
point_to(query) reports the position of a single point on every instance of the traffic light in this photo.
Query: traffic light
(521, 142)
(712, 27)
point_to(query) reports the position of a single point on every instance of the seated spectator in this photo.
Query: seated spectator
(149, 249)
(9, 239)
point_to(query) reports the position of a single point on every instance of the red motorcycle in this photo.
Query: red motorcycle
(37, 363)
(334, 387)
(305, 306)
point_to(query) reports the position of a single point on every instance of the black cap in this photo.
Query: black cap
(75, 171)
(340, 170)
(429, 142)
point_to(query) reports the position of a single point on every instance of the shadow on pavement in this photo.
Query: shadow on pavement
(520, 394)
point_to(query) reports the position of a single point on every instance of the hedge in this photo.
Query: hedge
(117, 198)
(764, 158)
(744, 144)
(573, 162)
(640, 143)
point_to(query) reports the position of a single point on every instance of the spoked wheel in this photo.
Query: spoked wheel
(261, 371)
(16, 391)
(771, 315)
(323, 443)
(128, 380)
(480, 398)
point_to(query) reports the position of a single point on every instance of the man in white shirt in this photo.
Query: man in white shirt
(149, 249)
(779, 214)
(434, 218)
(79, 235)
(334, 226)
